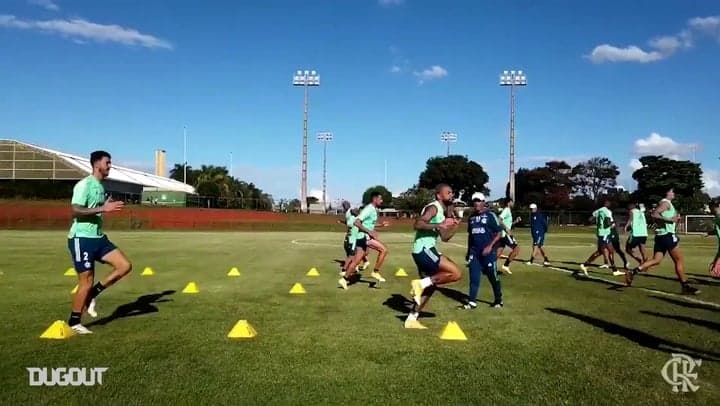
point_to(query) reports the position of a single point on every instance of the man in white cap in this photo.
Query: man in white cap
(538, 228)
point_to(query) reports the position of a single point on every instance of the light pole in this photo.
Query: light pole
(306, 79)
(185, 154)
(325, 137)
(512, 78)
(448, 137)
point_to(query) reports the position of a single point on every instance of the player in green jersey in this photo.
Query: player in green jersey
(350, 235)
(88, 243)
(604, 223)
(506, 237)
(715, 264)
(437, 219)
(637, 228)
(666, 241)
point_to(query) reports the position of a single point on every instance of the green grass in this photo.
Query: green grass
(559, 340)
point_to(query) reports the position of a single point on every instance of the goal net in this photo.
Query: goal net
(698, 224)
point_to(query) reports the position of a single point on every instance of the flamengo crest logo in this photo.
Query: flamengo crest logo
(65, 376)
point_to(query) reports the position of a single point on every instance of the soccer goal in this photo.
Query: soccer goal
(698, 224)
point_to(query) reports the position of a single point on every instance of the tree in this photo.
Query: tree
(413, 199)
(658, 174)
(549, 185)
(594, 177)
(293, 205)
(386, 195)
(457, 171)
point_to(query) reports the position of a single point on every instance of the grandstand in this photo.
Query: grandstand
(31, 171)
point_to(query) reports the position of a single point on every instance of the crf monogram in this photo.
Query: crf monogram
(65, 376)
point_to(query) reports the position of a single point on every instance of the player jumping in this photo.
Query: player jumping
(604, 223)
(637, 228)
(434, 268)
(666, 241)
(350, 234)
(88, 243)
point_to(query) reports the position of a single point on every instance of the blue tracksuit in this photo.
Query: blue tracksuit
(538, 228)
(482, 229)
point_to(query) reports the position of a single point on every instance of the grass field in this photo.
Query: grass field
(559, 339)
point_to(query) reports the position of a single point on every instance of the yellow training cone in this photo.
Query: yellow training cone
(74, 291)
(234, 272)
(242, 329)
(70, 272)
(401, 272)
(297, 289)
(59, 330)
(313, 272)
(453, 332)
(147, 272)
(191, 288)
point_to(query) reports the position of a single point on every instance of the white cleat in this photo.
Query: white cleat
(604, 266)
(506, 269)
(618, 273)
(584, 269)
(91, 308)
(80, 329)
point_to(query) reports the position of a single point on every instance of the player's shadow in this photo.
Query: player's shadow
(699, 275)
(675, 279)
(698, 322)
(639, 337)
(689, 305)
(457, 296)
(143, 305)
(401, 304)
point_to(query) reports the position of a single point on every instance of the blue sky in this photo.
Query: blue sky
(618, 79)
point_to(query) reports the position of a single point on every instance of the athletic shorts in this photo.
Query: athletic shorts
(361, 243)
(508, 241)
(538, 240)
(427, 261)
(603, 242)
(665, 243)
(86, 251)
(634, 242)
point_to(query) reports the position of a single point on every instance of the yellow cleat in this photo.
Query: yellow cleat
(377, 276)
(365, 265)
(413, 323)
(343, 283)
(416, 291)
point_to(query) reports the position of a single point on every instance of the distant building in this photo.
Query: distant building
(31, 171)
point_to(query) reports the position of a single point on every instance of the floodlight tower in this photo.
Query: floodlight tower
(448, 137)
(306, 79)
(325, 137)
(512, 78)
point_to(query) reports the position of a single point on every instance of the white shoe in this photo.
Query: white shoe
(604, 266)
(91, 308)
(506, 269)
(80, 329)
(584, 269)
(618, 273)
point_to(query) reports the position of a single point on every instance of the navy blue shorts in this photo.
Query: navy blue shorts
(427, 261)
(538, 240)
(361, 243)
(508, 241)
(86, 251)
(665, 243)
(634, 242)
(603, 242)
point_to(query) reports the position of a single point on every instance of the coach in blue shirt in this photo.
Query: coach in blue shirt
(538, 228)
(483, 235)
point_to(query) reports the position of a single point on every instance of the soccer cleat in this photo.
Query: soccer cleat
(529, 263)
(506, 268)
(80, 329)
(583, 268)
(414, 323)
(364, 265)
(469, 306)
(689, 290)
(629, 275)
(604, 266)
(91, 309)
(618, 273)
(546, 263)
(497, 305)
(377, 276)
(343, 282)
(416, 290)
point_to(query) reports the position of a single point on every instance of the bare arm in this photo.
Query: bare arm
(657, 213)
(630, 220)
(84, 211)
(447, 233)
(423, 222)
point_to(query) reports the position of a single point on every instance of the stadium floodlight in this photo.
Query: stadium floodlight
(448, 137)
(325, 137)
(512, 78)
(305, 78)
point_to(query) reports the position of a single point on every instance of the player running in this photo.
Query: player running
(604, 223)
(715, 265)
(366, 238)
(483, 233)
(507, 238)
(666, 241)
(636, 226)
(88, 243)
(434, 268)
(538, 229)
(350, 235)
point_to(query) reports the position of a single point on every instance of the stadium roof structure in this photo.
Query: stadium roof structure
(20, 160)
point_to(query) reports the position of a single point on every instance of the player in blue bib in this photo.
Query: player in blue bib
(484, 232)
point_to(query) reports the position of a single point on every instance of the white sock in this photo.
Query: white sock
(413, 316)
(425, 282)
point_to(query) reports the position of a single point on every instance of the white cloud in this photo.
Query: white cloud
(432, 73)
(656, 144)
(711, 179)
(83, 30)
(46, 4)
(635, 164)
(390, 3)
(661, 47)
(395, 69)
